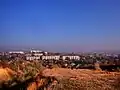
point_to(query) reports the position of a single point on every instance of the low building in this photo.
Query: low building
(35, 51)
(38, 54)
(71, 57)
(16, 52)
(50, 57)
(32, 58)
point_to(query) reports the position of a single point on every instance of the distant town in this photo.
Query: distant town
(65, 60)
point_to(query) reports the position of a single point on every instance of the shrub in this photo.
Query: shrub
(97, 66)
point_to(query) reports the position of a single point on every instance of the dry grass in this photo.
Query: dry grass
(6, 74)
(18, 72)
(84, 79)
(67, 79)
(32, 86)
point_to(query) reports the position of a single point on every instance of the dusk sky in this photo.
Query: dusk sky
(60, 25)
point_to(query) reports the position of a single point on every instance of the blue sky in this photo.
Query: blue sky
(60, 25)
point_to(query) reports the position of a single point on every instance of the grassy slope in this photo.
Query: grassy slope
(84, 79)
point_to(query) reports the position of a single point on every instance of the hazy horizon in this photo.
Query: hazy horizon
(60, 25)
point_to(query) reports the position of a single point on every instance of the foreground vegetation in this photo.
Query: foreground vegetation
(31, 75)
(84, 79)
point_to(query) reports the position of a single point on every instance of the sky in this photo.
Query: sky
(60, 25)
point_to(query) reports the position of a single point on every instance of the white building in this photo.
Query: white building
(46, 53)
(16, 52)
(32, 58)
(38, 54)
(35, 51)
(50, 57)
(71, 57)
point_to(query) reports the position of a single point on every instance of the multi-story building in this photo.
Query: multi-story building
(71, 57)
(35, 51)
(50, 57)
(32, 58)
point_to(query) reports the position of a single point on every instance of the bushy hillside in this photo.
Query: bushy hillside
(31, 75)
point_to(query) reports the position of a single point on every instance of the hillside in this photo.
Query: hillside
(32, 76)
(84, 79)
